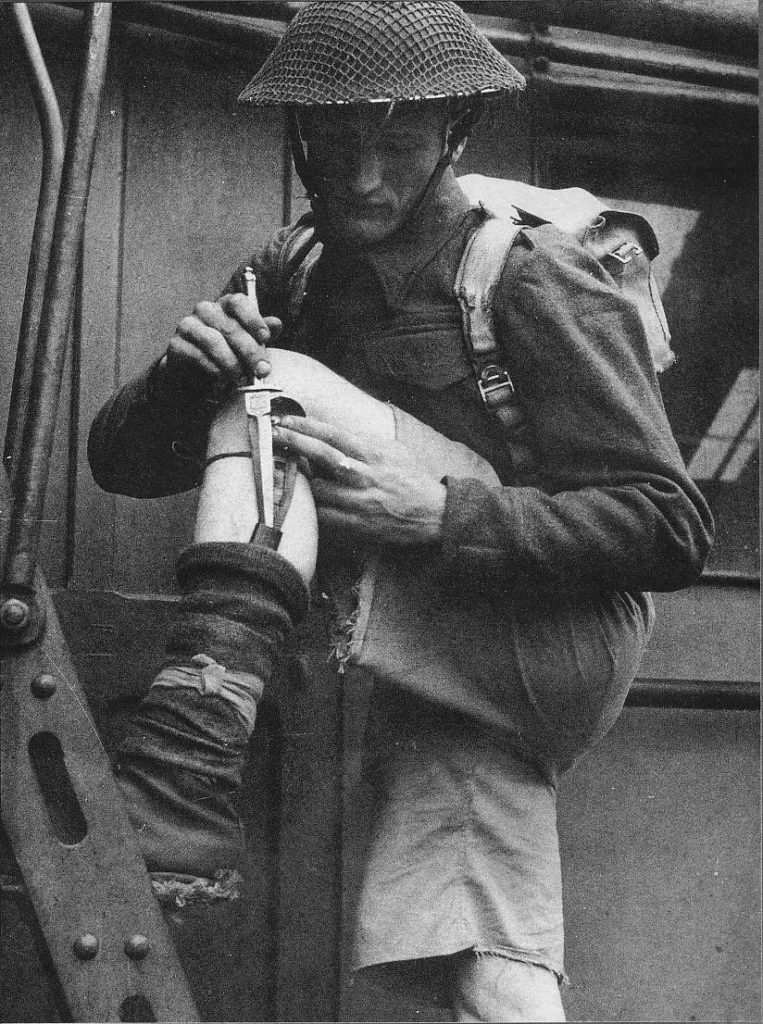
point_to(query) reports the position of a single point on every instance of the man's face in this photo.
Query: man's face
(370, 169)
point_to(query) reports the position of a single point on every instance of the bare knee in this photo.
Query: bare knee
(494, 988)
(326, 396)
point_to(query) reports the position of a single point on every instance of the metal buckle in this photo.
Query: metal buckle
(494, 378)
(625, 252)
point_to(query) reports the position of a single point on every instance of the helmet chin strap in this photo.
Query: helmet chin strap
(453, 143)
(298, 152)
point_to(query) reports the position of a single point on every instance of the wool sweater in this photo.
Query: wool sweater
(609, 505)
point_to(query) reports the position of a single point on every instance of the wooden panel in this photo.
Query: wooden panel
(203, 187)
(709, 632)
(660, 830)
(501, 144)
(309, 862)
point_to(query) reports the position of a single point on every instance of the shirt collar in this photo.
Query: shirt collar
(396, 261)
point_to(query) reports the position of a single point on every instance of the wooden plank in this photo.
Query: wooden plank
(707, 632)
(501, 144)
(203, 185)
(660, 830)
(310, 852)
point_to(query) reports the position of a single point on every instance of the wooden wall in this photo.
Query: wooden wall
(659, 825)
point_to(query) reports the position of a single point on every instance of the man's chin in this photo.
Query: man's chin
(357, 232)
(362, 235)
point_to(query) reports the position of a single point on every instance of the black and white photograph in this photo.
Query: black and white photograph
(379, 514)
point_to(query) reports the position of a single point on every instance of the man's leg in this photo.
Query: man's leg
(494, 988)
(182, 759)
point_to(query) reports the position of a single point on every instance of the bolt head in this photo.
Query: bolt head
(44, 686)
(86, 946)
(137, 947)
(14, 614)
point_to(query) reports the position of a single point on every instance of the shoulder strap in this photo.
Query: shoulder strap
(620, 243)
(623, 242)
(298, 257)
(476, 281)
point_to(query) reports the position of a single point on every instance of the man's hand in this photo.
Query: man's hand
(223, 342)
(377, 489)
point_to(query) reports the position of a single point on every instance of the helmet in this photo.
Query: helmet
(369, 51)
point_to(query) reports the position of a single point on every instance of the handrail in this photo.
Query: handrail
(52, 130)
(31, 474)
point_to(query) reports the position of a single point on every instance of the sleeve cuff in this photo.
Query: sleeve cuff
(458, 526)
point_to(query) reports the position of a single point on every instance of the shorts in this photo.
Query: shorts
(479, 705)
(462, 851)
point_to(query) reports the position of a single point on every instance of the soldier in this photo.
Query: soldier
(509, 565)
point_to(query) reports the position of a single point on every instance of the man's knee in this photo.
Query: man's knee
(495, 988)
(326, 396)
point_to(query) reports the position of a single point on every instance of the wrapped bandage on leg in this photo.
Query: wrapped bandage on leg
(181, 762)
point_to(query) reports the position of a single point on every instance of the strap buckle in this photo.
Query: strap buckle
(622, 256)
(492, 379)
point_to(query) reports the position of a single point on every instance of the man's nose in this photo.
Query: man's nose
(366, 173)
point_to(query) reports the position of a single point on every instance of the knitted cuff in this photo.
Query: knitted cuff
(239, 603)
(224, 563)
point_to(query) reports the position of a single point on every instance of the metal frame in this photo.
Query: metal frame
(52, 162)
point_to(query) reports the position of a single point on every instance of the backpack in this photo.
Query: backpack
(623, 243)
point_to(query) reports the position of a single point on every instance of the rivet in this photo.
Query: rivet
(44, 686)
(14, 614)
(137, 947)
(86, 946)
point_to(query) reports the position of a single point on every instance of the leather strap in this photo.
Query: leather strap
(475, 285)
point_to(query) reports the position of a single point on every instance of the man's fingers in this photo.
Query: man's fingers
(324, 459)
(356, 446)
(342, 522)
(245, 311)
(246, 342)
(204, 348)
(335, 494)
(184, 354)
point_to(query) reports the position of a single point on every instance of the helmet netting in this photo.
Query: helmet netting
(345, 51)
